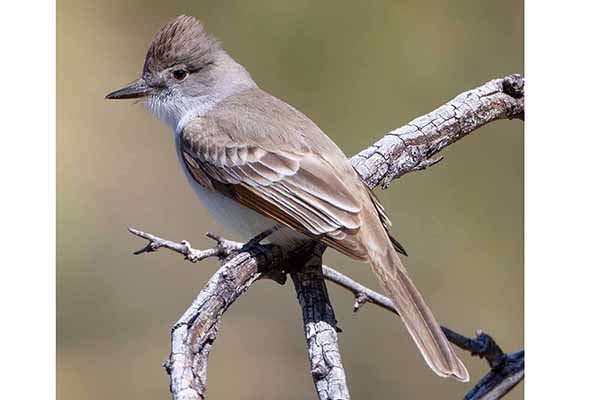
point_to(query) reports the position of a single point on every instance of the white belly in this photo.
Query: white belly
(238, 218)
(230, 214)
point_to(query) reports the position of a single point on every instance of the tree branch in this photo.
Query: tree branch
(193, 334)
(406, 149)
(196, 330)
(320, 328)
(507, 370)
(411, 147)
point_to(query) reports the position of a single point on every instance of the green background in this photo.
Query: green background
(358, 69)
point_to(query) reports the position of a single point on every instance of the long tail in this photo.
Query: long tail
(411, 307)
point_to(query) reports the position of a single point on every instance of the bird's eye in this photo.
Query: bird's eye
(180, 74)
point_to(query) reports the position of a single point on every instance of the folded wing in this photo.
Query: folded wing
(296, 188)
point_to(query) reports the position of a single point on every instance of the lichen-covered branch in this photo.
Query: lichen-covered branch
(406, 149)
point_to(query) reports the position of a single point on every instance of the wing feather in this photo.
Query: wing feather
(387, 223)
(298, 189)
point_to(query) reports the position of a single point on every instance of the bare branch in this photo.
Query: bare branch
(320, 328)
(499, 381)
(411, 147)
(193, 335)
(507, 369)
(362, 294)
(222, 249)
(406, 149)
(196, 330)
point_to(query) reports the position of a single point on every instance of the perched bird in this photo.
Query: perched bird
(257, 163)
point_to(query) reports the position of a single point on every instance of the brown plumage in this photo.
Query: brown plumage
(268, 156)
(256, 161)
(181, 41)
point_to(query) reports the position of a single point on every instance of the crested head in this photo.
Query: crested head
(182, 41)
(186, 73)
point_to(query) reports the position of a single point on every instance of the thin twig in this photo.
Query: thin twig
(193, 334)
(360, 291)
(507, 370)
(222, 249)
(319, 321)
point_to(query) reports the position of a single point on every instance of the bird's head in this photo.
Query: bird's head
(185, 67)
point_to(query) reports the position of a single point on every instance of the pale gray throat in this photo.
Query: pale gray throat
(177, 110)
(197, 108)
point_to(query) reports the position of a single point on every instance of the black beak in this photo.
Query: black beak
(135, 90)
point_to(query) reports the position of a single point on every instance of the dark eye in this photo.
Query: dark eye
(180, 74)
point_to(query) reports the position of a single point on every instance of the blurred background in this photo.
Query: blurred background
(358, 69)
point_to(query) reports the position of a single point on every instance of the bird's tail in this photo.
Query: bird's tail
(411, 307)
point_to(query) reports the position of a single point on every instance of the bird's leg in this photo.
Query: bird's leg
(255, 241)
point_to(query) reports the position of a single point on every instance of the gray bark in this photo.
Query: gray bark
(406, 149)
(412, 146)
(320, 328)
(506, 370)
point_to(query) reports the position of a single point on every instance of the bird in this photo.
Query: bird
(259, 164)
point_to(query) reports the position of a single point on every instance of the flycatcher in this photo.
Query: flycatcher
(257, 163)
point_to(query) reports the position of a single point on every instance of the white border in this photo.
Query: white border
(562, 199)
(561, 207)
(27, 233)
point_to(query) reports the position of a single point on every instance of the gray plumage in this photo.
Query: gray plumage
(256, 161)
(181, 41)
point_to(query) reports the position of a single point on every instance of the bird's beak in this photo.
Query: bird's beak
(135, 90)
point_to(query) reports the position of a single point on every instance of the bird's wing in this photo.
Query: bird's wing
(267, 156)
(385, 221)
(289, 184)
